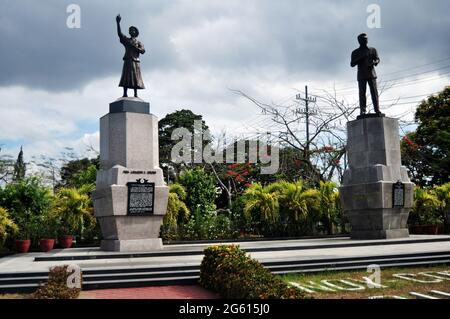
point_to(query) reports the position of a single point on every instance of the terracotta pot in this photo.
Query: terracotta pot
(47, 244)
(65, 241)
(22, 246)
(424, 229)
(430, 229)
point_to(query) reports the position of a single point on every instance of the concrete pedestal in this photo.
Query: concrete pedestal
(373, 149)
(129, 152)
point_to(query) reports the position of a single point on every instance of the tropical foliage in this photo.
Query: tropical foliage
(73, 209)
(426, 151)
(427, 208)
(201, 190)
(8, 227)
(234, 275)
(26, 200)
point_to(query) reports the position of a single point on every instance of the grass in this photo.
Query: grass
(395, 286)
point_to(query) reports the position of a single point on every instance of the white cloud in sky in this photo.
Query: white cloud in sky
(196, 52)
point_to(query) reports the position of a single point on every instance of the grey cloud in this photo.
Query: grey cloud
(302, 37)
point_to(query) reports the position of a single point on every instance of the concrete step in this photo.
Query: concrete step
(97, 278)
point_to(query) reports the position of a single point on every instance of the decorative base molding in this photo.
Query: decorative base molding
(132, 245)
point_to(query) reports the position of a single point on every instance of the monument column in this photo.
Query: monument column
(130, 198)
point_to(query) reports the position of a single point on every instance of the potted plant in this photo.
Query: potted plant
(64, 240)
(72, 208)
(23, 239)
(425, 217)
(47, 232)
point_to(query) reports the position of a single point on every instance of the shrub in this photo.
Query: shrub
(208, 226)
(426, 208)
(57, 286)
(26, 200)
(443, 195)
(73, 208)
(7, 227)
(234, 275)
(177, 212)
(200, 190)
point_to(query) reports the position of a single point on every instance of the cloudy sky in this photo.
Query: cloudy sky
(56, 82)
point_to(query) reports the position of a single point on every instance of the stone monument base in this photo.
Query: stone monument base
(132, 245)
(380, 234)
(376, 193)
(130, 199)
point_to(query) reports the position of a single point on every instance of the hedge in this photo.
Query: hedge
(230, 272)
(57, 286)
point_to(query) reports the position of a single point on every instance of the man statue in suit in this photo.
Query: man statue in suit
(366, 58)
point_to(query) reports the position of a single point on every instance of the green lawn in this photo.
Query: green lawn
(393, 285)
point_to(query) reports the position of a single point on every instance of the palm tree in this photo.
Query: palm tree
(443, 195)
(328, 203)
(426, 206)
(262, 203)
(297, 202)
(73, 208)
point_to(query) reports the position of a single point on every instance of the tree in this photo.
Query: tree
(26, 200)
(262, 204)
(329, 204)
(6, 167)
(19, 167)
(172, 121)
(79, 172)
(200, 190)
(73, 207)
(319, 153)
(296, 200)
(426, 151)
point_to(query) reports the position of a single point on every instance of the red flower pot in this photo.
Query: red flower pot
(430, 229)
(65, 241)
(47, 244)
(424, 229)
(22, 246)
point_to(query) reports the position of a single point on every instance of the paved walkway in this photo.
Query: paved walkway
(158, 292)
(287, 250)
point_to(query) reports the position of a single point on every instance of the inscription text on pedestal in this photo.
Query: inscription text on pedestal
(398, 194)
(140, 197)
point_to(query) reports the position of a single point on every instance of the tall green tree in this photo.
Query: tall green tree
(426, 152)
(19, 167)
(178, 119)
(79, 172)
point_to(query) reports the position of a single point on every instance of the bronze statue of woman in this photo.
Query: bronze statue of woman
(131, 72)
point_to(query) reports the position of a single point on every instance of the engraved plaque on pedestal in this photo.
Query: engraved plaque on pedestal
(398, 194)
(141, 198)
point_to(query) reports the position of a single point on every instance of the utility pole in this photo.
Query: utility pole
(306, 99)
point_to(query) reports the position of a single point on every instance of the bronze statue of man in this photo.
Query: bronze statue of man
(131, 72)
(366, 58)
